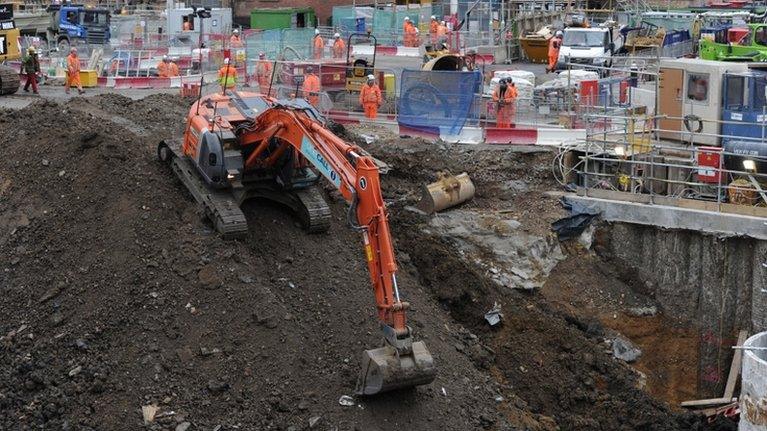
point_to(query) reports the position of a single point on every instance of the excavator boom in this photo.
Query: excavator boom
(234, 137)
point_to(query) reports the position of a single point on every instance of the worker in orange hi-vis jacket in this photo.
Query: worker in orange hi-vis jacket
(311, 87)
(409, 31)
(73, 72)
(263, 72)
(227, 75)
(339, 47)
(433, 29)
(370, 97)
(554, 44)
(504, 104)
(513, 94)
(442, 32)
(318, 45)
(235, 41)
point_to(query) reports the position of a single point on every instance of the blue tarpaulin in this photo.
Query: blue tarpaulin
(441, 100)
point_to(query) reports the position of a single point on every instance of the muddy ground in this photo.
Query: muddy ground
(117, 295)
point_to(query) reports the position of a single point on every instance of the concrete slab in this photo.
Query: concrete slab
(670, 217)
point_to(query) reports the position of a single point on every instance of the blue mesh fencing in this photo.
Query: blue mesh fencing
(441, 100)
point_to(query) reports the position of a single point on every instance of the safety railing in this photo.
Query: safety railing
(628, 157)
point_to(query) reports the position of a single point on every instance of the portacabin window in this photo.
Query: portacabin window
(697, 87)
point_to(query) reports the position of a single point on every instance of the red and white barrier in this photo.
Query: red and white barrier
(394, 51)
(533, 136)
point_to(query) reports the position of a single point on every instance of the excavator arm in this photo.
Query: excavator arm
(401, 362)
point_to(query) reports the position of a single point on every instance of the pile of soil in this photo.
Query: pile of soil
(116, 295)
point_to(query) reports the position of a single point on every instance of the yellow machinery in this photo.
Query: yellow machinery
(9, 50)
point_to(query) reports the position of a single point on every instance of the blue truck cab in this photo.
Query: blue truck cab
(77, 23)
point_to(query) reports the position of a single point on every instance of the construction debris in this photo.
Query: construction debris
(494, 316)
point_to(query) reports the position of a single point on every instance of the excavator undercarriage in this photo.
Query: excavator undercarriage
(222, 206)
(243, 146)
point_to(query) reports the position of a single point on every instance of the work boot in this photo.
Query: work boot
(26, 90)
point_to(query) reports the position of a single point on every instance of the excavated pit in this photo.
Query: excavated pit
(116, 295)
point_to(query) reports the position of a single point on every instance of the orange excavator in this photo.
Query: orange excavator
(240, 145)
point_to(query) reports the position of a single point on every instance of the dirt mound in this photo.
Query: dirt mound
(116, 296)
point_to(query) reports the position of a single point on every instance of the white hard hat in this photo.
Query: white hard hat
(164, 57)
(433, 17)
(442, 22)
(559, 33)
(336, 35)
(316, 31)
(235, 31)
(73, 49)
(416, 30)
(371, 78)
(407, 18)
(226, 60)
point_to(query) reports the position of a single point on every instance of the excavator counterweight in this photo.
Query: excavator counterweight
(239, 146)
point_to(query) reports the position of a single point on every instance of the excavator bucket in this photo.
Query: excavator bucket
(384, 370)
(445, 193)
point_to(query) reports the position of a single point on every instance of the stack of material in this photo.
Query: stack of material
(574, 78)
(523, 80)
(524, 87)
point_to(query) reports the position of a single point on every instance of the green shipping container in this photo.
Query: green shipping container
(268, 19)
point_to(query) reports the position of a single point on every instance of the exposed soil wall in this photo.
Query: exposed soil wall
(713, 283)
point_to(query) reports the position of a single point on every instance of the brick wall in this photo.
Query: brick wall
(323, 8)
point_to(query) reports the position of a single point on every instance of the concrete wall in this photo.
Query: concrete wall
(711, 282)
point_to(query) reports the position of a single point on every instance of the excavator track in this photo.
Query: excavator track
(307, 203)
(220, 206)
(315, 213)
(9, 80)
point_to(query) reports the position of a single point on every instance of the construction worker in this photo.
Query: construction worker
(235, 41)
(513, 94)
(319, 45)
(433, 29)
(311, 88)
(554, 44)
(339, 47)
(73, 72)
(503, 100)
(442, 32)
(31, 68)
(166, 68)
(227, 76)
(416, 40)
(409, 32)
(263, 72)
(370, 97)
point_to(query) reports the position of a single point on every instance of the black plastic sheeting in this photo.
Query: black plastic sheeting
(581, 216)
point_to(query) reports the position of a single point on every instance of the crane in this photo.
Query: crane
(241, 145)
